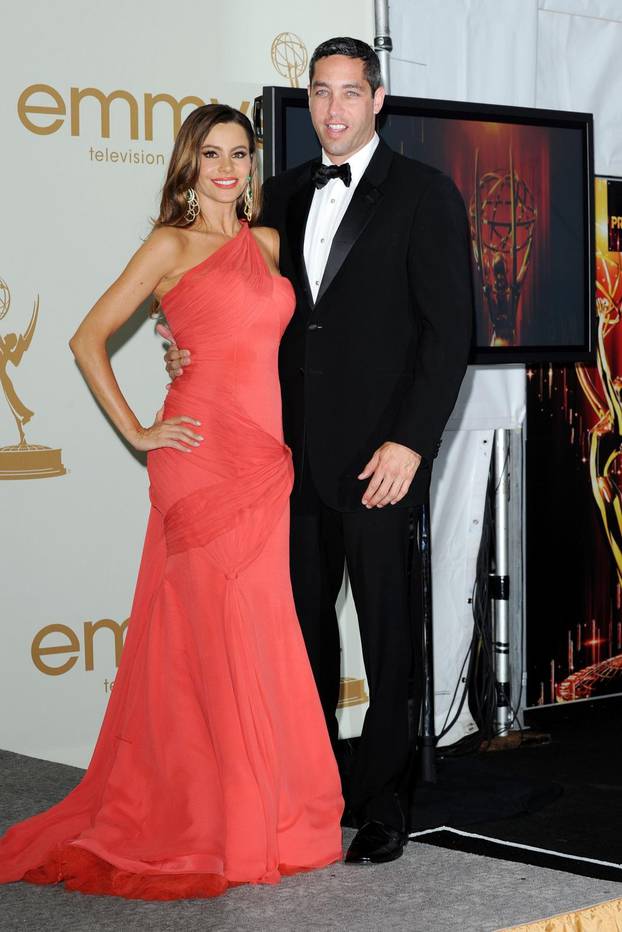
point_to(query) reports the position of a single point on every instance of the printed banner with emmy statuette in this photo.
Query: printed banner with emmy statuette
(574, 631)
(86, 140)
(21, 460)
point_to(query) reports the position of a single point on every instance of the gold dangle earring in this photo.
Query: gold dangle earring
(194, 208)
(248, 200)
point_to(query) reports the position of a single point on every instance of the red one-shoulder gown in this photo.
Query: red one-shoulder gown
(213, 766)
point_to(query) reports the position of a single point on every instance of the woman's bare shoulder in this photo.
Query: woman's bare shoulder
(165, 248)
(167, 241)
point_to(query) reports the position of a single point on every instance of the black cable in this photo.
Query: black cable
(447, 727)
(479, 683)
(482, 692)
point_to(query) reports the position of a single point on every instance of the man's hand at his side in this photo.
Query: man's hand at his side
(176, 360)
(392, 469)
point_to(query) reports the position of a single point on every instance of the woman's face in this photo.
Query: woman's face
(225, 163)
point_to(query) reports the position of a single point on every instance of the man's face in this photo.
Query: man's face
(342, 107)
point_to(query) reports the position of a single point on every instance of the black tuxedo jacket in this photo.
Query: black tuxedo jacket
(381, 353)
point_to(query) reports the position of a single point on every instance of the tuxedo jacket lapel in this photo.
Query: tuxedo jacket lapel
(362, 207)
(297, 215)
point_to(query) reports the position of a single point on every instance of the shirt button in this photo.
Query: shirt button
(322, 240)
(317, 283)
(332, 200)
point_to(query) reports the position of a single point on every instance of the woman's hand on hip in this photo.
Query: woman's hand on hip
(173, 432)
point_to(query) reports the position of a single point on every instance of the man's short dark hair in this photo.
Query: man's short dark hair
(351, 48)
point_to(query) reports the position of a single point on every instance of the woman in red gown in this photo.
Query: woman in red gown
(213, 766)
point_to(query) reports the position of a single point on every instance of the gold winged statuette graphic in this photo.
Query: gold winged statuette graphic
(22, 460)
(12, 348)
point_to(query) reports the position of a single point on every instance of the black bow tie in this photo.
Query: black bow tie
(322, 174)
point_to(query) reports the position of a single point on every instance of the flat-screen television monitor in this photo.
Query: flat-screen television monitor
(526, 176)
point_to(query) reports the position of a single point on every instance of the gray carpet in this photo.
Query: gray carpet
(428, 890)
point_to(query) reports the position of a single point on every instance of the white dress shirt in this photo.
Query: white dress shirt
(328, 207)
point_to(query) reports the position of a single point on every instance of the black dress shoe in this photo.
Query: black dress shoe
(376, 843)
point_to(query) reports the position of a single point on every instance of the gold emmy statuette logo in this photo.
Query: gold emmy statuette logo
(289, 56)
(351, 692)
(22, 460)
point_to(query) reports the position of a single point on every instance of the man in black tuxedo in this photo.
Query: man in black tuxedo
(377, 248)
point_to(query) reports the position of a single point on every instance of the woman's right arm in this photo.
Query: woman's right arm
(155, 259)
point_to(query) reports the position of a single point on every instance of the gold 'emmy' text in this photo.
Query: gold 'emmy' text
(43, 110)
(68, 652)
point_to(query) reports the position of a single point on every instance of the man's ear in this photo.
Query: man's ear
(379, 99)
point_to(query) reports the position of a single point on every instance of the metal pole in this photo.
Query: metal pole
(382, 41)
(500, 582)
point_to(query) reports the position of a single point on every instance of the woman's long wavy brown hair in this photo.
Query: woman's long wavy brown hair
(183, 168)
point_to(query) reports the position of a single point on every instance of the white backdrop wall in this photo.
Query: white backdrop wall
(557, 54)
(77, 196)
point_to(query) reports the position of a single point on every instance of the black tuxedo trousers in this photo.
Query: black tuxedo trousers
(377, 357)
(377, 547)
